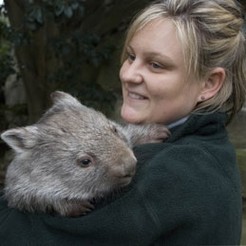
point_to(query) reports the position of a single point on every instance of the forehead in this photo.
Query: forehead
(74, 119)
(160, 37)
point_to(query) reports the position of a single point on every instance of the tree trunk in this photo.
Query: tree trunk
(31, 60)
(36, 58)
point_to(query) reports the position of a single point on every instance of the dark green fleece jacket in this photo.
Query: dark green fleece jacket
(186, 192)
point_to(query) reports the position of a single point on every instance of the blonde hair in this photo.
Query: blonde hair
(211, 34)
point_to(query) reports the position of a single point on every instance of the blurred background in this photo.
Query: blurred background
(69, 45)
(75, 46)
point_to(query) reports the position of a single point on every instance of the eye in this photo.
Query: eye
(114, 129)
(130, 57)
(85, 161)
(156, 65)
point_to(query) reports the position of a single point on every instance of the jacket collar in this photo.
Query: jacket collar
(199, 124)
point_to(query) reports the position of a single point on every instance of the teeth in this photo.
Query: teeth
(136, 96)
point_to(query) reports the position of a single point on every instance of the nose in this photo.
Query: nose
(124, 169)
(131, 72)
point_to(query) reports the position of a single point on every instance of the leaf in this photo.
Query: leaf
(68, 12)
(59, 9)
(39, 16)
(74, 5)
(35, 15)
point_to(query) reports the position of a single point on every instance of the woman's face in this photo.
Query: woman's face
(154, 80)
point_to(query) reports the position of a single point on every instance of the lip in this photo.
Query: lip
(136, 96)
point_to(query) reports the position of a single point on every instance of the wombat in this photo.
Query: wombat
(71, 155)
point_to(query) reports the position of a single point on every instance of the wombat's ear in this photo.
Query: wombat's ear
(64, 99)
(20, 139)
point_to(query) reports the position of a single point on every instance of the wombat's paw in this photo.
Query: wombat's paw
(157, 133)
(153, 133)
(83, 208)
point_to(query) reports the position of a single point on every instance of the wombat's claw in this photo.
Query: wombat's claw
(162, 132)
(81, 209)
(87, 207)
(154, 133)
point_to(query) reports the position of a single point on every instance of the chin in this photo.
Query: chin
(130, 116)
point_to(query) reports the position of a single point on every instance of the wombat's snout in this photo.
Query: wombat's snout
(125, 169)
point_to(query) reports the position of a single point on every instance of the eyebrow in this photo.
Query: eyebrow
(161, 56)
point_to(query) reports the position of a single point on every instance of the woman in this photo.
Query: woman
(183, 66)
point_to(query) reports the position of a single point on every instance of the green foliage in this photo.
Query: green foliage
(6, 61)
(68, 47)
(59, 10)
(77, 50)
(93, 95)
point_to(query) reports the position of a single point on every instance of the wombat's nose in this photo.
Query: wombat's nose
(125, 170)
(130, 167)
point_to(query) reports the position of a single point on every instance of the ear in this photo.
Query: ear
(21, 139)
(212, 84)
(64, 99)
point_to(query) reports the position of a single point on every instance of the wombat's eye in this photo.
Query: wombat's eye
(85, 161)
(114, 129)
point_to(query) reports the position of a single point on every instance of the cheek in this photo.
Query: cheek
(164, 86)
(159, 91)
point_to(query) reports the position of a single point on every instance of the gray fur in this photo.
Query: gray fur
(71, 155)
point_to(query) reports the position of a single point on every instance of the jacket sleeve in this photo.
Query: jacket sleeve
(169, 196)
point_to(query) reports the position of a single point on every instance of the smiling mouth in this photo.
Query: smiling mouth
(136, 96)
